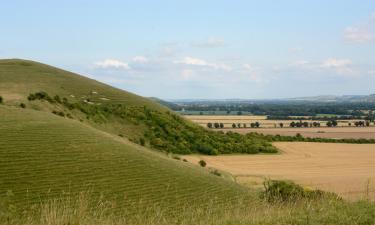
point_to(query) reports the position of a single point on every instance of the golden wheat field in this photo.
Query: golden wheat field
(346, 169)
(321, 132)
(343, 130)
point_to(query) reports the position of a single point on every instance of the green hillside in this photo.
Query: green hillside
(19, 78)
(44, 155)
(118, 112)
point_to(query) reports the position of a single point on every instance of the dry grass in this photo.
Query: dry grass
(347, 169)
(83, 211)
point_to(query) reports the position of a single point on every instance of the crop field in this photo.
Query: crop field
(343, 130)
(43, 156)
(265, 123)
(346, 169)
(321, 132)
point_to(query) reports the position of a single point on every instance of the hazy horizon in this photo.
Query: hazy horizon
(202, 50)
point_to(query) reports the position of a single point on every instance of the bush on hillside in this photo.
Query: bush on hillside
(1, 99)
(288, 191)
(59, 113)
(40, 96)
(22, 105)
(202, 163)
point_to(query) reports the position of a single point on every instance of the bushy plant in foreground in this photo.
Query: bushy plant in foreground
(288, 191)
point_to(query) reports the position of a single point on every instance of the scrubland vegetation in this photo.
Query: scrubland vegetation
(164, 131)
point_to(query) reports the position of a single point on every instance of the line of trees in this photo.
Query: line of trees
(215, 125)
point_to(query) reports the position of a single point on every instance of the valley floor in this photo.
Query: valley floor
(346, 169)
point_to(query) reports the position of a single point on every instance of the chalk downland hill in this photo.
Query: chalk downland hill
(43, 155)
(44, 88)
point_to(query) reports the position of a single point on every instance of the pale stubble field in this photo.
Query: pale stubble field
(346, 169)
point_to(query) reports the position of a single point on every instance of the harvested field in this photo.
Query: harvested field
(322, 132)
(346, 169)
(203, 120)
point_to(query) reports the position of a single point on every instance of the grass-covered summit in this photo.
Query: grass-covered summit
(41, 87)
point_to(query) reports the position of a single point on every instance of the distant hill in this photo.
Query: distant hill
(334, 98)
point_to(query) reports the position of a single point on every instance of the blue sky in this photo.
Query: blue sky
(201, 49)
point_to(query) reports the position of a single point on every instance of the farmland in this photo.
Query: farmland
(346, 169)
(76, 151)
(345, 129)
(322, 132)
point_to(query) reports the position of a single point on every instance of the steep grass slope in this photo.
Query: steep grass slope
(43, 155)
(115, 111)
(19, 78)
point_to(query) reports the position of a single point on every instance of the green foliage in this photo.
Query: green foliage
(59, 113)
(202, 163)
(40, 96)
(300, 138)
(287, 191)
(1, 99)
(169, 132)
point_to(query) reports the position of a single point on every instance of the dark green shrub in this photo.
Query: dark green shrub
(142, 141)
(59, 113)
(57, 99)
(1, 99)
(202, 163)
(285, 191)
(22, 105)
(216, 172)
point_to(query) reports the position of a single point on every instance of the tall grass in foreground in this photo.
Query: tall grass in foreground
(81, 210)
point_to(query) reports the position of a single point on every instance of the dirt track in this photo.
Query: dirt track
(347, 169)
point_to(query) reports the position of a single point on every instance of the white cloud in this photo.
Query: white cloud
(340, 66)
(359, 34)
(112, 63)
(140, 59)
(187, 73)
(300, 63)
(248, 67)
(210, 43)
(295, 50)
(200, 62)
(337, 63)
(362, 33)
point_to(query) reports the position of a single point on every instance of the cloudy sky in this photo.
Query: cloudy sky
(201, 48)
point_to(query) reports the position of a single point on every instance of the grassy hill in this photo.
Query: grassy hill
(43, 155)
(19, 78)
(71, 136)
(115, 111)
